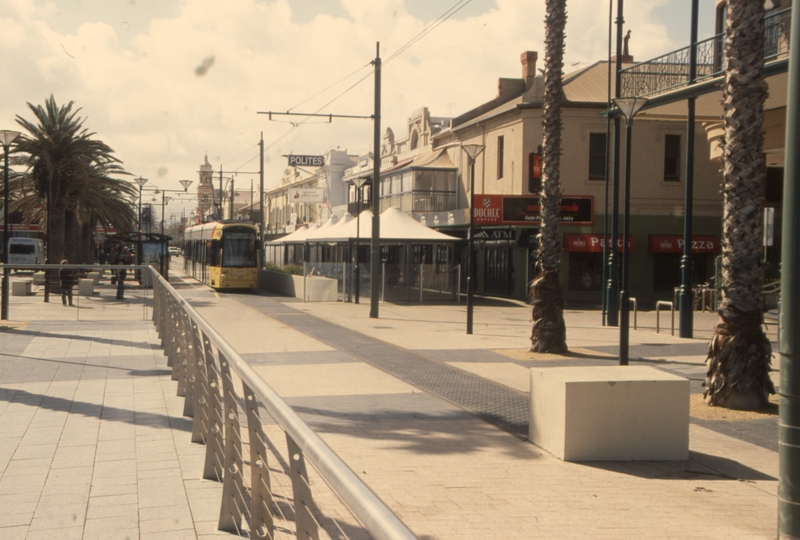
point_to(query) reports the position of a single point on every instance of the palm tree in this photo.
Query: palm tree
(62, 157)
(739, 354)
(549, 332)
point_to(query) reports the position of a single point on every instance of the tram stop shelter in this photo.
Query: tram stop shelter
(149, 248)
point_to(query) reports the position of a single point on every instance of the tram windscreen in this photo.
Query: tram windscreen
(239, 249)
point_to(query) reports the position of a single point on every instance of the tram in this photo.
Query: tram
(222, 255)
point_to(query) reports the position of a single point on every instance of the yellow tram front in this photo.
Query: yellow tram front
(223, 255)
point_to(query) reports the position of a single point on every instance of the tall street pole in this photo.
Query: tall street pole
(473, 151)
(261, 203)
(612, 302)
(789, 344)
(219, 208)
(375, 255)
(7, 138)
(141, 182)
(629, 107)
(686, 297)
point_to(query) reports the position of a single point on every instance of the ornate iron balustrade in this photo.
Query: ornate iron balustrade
(421, 201)
(671, 70)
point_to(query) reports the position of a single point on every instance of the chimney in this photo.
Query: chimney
(528, 59)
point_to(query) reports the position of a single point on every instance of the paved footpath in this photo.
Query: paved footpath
(430, 440)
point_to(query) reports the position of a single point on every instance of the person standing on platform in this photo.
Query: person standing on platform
(101, 260)
(67, 278)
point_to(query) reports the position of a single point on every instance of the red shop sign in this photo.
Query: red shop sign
(673, 243)
(593, 243)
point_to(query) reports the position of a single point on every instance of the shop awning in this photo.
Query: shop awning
(593, 243)
(673, 243)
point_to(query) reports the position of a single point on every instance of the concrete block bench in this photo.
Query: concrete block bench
(21, 287)
(86, 287)
(610, 413)
(94, 276)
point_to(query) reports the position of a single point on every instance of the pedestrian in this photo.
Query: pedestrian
(67, 278)
(124, 259)
(101, 260)
(113, 259)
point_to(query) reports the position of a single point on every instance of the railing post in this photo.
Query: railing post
(233, 503)
(212, 468)
(261, 523)
(189, 364)
(200, 425)
(307, 528)
(179, 368)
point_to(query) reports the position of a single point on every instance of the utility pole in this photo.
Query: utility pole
(261, 204)
(219, 211)
(375, 260)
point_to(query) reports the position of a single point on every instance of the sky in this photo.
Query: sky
(165, 82)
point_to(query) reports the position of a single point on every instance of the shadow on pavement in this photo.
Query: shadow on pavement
(700, 466)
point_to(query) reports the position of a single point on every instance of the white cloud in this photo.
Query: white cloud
(137, 85)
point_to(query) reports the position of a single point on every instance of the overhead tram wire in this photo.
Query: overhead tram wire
(329, 87)
(427, 30)
(458, 6)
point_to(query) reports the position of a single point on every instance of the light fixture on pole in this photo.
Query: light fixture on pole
(6, 138)
(628, 107)
(141, 182)
(473, 151)
(165, 200)
(359, 182)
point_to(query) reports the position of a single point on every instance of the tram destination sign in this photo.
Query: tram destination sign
(306, 161)
(524, 210)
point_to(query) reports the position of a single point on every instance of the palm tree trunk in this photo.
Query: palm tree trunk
(72, 235)
(739, 354)
(55, 233)
(549, 332)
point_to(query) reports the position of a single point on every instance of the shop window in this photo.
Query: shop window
(672, 158)
(667, 271)
(585, 271)
(774, 185)
(597, 156)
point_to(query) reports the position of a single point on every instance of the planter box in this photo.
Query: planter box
(610, 413)
(86, 287)
(21, 288)
(314, 288)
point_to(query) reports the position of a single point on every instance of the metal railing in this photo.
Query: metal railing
(664, 304)
(670, 71)
(206, 368)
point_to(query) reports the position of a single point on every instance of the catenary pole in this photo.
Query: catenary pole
(686, 302)
(789, 343)
(375, 255)
(612, 302)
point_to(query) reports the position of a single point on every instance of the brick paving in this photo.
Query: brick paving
(94, 445)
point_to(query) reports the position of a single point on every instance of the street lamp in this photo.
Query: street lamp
(165, 200)
(141, 181)
(6, 138)
(473, 151)
(628, 107)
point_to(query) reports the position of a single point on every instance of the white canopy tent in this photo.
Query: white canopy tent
(396, 225)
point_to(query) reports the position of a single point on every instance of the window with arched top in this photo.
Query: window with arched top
(414, 140)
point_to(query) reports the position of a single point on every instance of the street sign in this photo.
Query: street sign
(306, 161)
